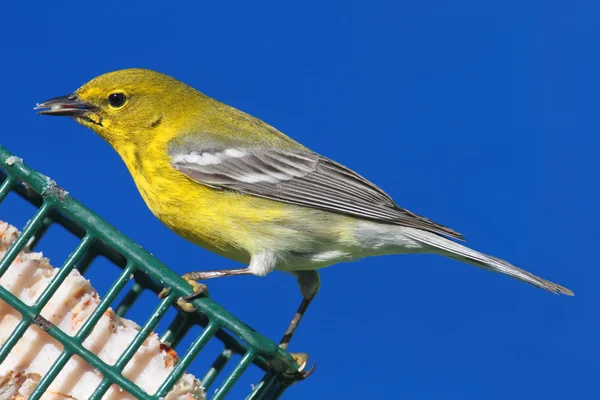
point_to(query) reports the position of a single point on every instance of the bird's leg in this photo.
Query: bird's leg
(193, 277)
(261, 263)
(289, 332)
(309, 283)
(199, 288)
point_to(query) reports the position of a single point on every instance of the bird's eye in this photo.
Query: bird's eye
(116, 100)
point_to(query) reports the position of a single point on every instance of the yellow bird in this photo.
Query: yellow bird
(239, 187)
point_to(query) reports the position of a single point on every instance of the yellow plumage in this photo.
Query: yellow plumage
(231, 224)
(237, 186)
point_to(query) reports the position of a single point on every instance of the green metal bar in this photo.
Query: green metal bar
(135, 344)
(143, 334)
(15, 335)
(83, 264)
(62, 273)
(32, 225)
(234, 376)
(35, 198)
(147, 263)
(176, 330)
(269, 388)
(216, 368)
(49, 376)
(239, 348)
(230, 342)
(101, 389)
(42, 300)
(41, 232)
(150, 274)
(185, 361)
(113, 292)
(35, 239)
(73, 346)
(275, 391)
(90, 322)
(71, 226)
(7, 184)
(262, 387)
(129, 299)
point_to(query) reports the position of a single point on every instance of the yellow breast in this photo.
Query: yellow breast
(228, 223)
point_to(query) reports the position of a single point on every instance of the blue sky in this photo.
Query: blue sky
(479, 115)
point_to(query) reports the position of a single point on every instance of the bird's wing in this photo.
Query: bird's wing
(298, 177)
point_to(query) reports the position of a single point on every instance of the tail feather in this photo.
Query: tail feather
(467, 255)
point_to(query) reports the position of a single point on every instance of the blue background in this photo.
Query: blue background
(480, 115)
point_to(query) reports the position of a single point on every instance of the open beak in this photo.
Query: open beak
(65, 106)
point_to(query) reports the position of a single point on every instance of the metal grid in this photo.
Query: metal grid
(98, 238)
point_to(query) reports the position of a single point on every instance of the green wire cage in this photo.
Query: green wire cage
(97, 238)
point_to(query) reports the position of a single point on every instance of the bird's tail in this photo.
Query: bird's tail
(462, 253)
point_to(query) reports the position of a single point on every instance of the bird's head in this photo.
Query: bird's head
(130, 105)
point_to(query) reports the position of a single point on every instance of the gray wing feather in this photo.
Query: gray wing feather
(297, 177)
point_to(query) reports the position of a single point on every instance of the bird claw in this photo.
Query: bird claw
(185, 306)
(184, 303)
(300, 374)
(164, 293)
(199, 288)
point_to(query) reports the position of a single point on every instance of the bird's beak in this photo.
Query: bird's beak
(65, 106)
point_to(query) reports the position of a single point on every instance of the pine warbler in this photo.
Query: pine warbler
(237, 186)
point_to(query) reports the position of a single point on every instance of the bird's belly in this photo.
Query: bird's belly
(315, 260)
(363, 239)
(202, 215)
(237, 226)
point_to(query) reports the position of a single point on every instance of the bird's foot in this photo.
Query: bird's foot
(184, 303)
(301, 373)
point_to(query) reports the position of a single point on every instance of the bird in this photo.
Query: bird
(239, 187)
